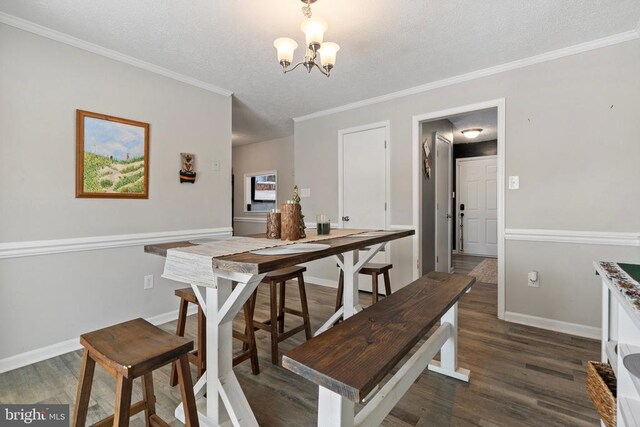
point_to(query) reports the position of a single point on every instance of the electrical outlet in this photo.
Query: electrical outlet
(533, 279)
(148, 281)
(305, 192)
(514, 182)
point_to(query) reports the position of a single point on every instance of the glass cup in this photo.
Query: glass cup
(323, 224)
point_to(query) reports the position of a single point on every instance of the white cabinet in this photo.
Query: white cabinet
(621, 329)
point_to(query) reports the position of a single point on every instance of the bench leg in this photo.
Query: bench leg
(334, 410)
(448, 364)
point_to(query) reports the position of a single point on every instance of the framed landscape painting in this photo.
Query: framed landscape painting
(112, 157)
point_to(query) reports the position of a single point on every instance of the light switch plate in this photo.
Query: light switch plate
(305, 192)
(514, 182)
(148, 281)
(216, 165)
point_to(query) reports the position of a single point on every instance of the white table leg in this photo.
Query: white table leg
(219, 350)
(448, 364)
(350, 263)
(350, 294)
(226, 404)
(334, 410)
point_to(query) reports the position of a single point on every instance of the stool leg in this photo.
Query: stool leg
(249, 309)
(374, 288)
(305, 307)
(387, 283)
(149, 397)
(283, 287)
(340, 290)
(186, 390)
(84, 390)
(123, 402)
(274, 322)
(202, 342)
(182, 322)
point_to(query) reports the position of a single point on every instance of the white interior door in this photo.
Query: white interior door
(364, 184)
(443, 174)
(478, 192)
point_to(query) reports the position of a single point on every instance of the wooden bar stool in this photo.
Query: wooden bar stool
(127, 351)
(275, 324)
(199, 356)
(373, 270)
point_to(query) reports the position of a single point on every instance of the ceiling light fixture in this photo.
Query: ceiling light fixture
(313, 29)
(471, 133)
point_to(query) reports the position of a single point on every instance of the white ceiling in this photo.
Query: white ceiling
(386, 45)
(487, 120)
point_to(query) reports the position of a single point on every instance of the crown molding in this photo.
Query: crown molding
(514, 65)
(43, 31)
(80, 244)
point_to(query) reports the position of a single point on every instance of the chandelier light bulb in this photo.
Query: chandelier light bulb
(313, 29)
(328, 52)
(285, 47)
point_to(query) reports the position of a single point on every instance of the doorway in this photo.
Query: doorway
(363, 183)
(484, 227)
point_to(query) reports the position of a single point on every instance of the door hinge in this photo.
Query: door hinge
(385, 206)
(385, 144)
(437, 259)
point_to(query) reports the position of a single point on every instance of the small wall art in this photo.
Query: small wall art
(187, 171)
(112, 157)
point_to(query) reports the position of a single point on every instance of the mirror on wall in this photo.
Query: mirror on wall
(260, 191)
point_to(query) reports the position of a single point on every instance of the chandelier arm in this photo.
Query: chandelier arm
(320, 68)
(294, 67)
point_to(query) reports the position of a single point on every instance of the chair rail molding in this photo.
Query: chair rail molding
(79, 244)
(574, 236)
(251, 219)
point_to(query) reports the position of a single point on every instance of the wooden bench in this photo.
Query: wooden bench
(349, 360)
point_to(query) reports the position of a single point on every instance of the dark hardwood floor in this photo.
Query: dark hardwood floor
(520, 376)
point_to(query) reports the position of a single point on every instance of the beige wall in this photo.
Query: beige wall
(48, 299)
(571, 137)
(276, 154)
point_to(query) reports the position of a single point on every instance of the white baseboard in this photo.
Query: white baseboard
(39, 354)
(554, 325)
(322, 282)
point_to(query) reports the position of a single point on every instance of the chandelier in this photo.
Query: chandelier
(313, 29)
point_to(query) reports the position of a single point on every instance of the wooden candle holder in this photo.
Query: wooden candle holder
(290, 229)
(273, 225)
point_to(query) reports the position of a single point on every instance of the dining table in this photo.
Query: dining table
(224, 273)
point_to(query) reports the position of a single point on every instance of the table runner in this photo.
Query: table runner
(192, 264)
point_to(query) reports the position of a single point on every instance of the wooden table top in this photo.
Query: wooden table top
(257, 264)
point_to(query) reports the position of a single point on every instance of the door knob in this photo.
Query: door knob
(449, 216)
(345, 218)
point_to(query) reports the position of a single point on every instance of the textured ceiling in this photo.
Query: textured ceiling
(386, 45)
(487, 120)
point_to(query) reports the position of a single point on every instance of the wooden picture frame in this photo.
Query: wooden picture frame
(112, 157)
